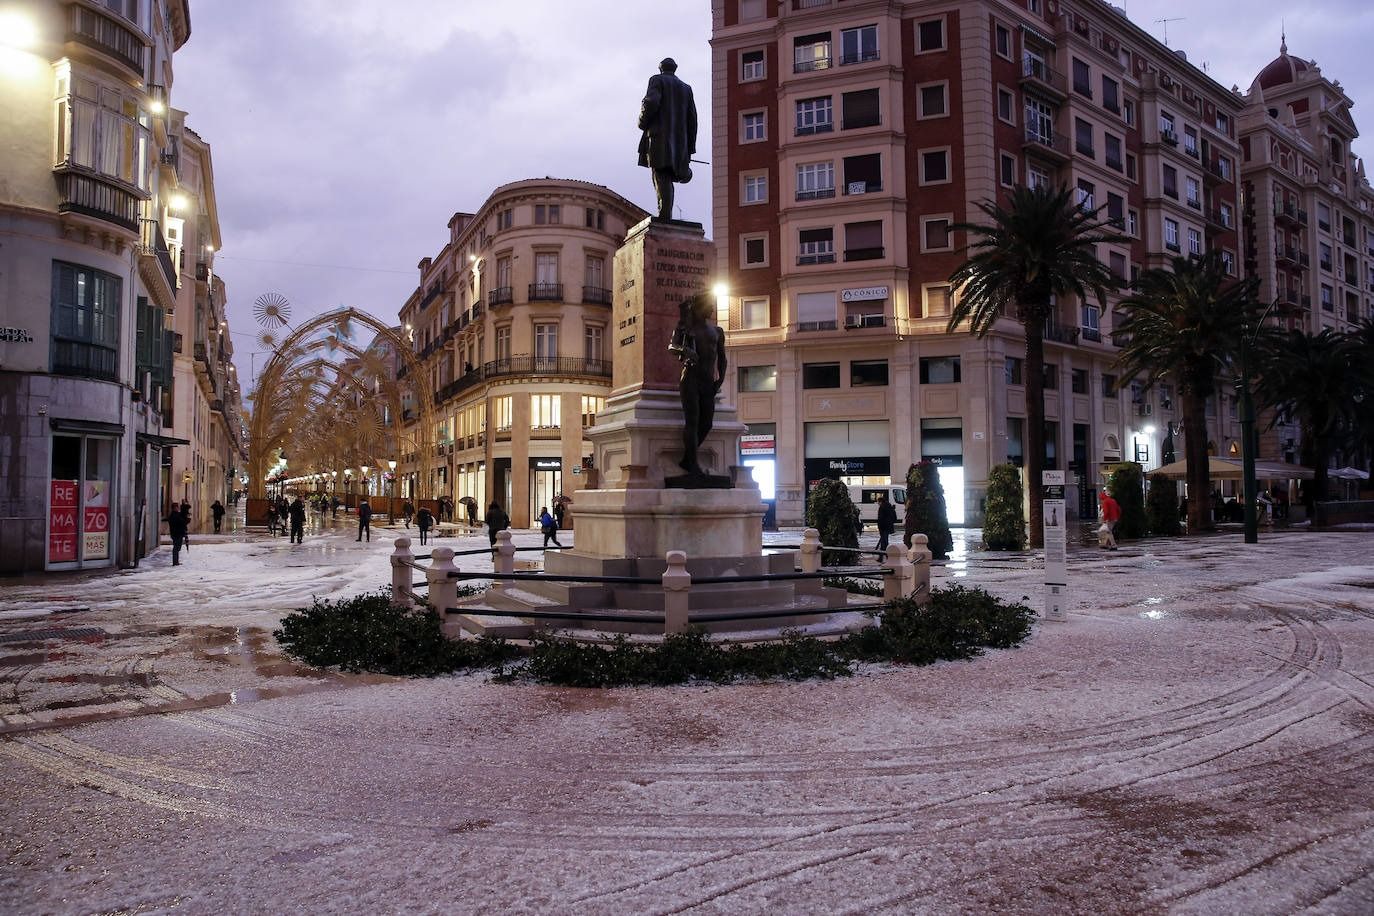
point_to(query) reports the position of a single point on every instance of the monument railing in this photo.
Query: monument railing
(904, 574)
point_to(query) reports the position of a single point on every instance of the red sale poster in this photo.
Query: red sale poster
(62, 522)
(95, 522)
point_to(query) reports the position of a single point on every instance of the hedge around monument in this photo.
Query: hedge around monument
(831, 512)
(1127, 487)
(1004, 517)
(1161, 508)
(925, 509)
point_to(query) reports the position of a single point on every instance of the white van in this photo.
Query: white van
(866, 498)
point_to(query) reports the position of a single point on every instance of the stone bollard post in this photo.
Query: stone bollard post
(443, 591)
(920, 558)
(677, 586)
(504, 559)
(400, 574)
(899, 582)
(811, 551)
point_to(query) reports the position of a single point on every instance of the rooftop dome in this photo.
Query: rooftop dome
(1282, 69)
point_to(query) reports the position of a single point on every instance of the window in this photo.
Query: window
(816, 246)
(758, 378)
(859, 45)
(595, 219)
(1131, 166)
(1133, 224)
(1190, 141)
(545, 344)
(1116, 263)
(505, 219)
(594, 343)
(1111, 95)
(1328, 299)
(868, 373)
(1128, 111)
(860, 109)
(863, 174)
(753, 313)
(1324, 255)
(1166, 128)
(935, 166)
(1039, 121)
(935, 234)
(1078, 381)
(1015, 368)
(1192, 193)
(502, 412)
(1092, 315)
(1171, 182)
(1109, 386)
(1083, 136)
(1002, 40)
(939, 370)
(863, 241)
(755, 250)
(1116, 209)
(1171, 234)
(1051, 376)
(932, 101)
(815, 116)
(751, 66)
(1006, 105)
(1224, 168)
(108, 134)
(816, 312)
(547, 214)
(1082, 79)
(1323, 217)
(754, 126)
(815, 180)
(591, 406)
(85, 321)
(755, 189)
(811, 52)
(1016, 433)
(1228, 263)
(1194, 242)
(1007, 169)
(545, 410)
(938, 301)
(1036, 177)
(1225, 212)
(820, 375)
(1085, 195)
(930, 35)
(749, 10)
(503, 343)
(1111, 146)
(1223, 123)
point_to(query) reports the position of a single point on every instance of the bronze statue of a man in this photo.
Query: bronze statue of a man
(668, 117)
(701, 347)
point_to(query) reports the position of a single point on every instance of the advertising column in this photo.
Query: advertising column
(1055, 527)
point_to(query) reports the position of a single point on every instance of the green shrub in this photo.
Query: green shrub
(925, 509)
(831, 512)
(1004, 519)
(1161, 508)
(1127, 486)
(854, 586)
(958, 623)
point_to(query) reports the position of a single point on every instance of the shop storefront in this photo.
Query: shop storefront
(81, 501)
(759, 453)
(942, 440)
(546, 482)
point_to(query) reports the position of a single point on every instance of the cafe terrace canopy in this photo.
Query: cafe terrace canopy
(1229, 469)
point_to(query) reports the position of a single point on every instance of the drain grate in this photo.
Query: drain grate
(67, 633)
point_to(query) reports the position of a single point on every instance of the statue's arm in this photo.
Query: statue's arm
(648, 109)
(691, 123)
(721, 361)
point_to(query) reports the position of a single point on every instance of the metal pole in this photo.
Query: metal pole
(1247, 432)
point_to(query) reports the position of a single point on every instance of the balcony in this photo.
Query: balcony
(72, 357)
(1287, 256)
(1213, 172)
(546, 292)
(858, 57)
(1060, 334)
(1285, 212)
(855, 322)
(1290, 296)
(1044, 77)
(1217, 219)
(821, 257)
(153, 245)
(107, 35)
(1053, 146)
(817, 194)
(862, 187)
(596, 295)
(810, 64)
(864, 254)
(817, 325)
(501, 295)
(1093, 334)
(97, 196)
(546, 365)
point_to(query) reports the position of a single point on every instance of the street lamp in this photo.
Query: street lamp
(1249, 440)
(364, 469)
(391, 497)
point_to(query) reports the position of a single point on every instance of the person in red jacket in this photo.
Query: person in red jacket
(1111, 514)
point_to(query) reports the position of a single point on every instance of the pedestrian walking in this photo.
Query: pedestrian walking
(365, 520)
(559, 510)
(176, 527)
(472, 510)
(887, 523)
(425, 520)
(335, 506)
(496, 520)
(297, 512)
(186, 525)
(408, 512)
(217, 510)
(547, 526)
(1111, 514)
(272, 519)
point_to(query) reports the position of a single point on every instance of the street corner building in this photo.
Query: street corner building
(848, 140)
(114, 398)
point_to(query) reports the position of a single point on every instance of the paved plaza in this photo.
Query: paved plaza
(1196, 738)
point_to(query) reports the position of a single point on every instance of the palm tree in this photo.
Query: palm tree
(1309, 377)
(1042, 245)
(1186, 323)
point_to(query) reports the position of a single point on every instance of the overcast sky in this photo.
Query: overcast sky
(347, 132)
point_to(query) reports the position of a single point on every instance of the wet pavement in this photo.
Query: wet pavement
(1196, 739)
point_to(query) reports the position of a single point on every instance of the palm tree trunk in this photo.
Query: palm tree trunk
(1034, 456)
(1195, 453)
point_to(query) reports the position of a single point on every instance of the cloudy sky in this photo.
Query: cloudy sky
(347, 132)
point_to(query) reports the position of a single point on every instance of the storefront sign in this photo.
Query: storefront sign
(1055, 528)
(62, 521)
(874, 466)
(757, 444)
(546, 464)
(863, 293)
(15, 335)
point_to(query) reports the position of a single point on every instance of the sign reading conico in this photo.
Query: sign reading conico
(863, 293)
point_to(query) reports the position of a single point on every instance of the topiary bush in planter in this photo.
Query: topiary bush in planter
(1161, 508)
(1004, 518)
(1127, 487)
(831, 512)
(925, 509)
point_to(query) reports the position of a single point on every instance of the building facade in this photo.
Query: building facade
(848, 139)
(89, 283)
(512, 321)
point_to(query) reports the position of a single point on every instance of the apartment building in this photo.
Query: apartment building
(512, 321)
(1309, 208)
(87, 281)
(850, 136)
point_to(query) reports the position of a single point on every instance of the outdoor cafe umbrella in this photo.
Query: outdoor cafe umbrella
(1231, 469)
(1349, 473)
